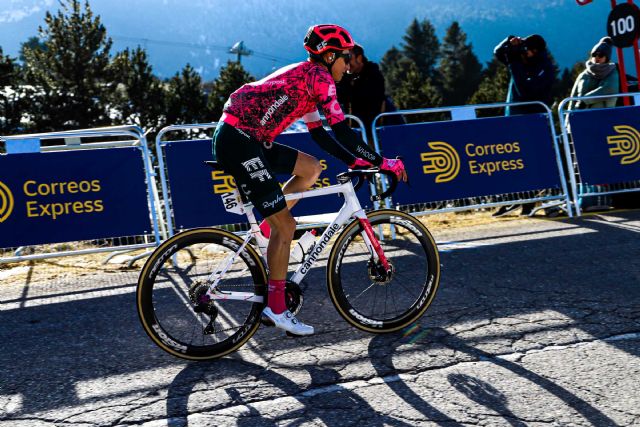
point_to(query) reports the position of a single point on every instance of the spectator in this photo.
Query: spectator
(600, 78)
(532, 73)
(362, 93)
(532, 76)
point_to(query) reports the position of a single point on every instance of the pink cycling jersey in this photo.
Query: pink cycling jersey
(264, 109)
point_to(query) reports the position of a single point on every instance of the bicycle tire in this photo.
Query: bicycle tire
(412, 252)
(165, 306)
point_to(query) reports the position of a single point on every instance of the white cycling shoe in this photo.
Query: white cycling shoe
(286, 321)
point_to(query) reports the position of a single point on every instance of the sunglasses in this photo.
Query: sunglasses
(346, 56)
(597, 55)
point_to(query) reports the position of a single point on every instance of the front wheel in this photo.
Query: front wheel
(379, 304)
(173, 304)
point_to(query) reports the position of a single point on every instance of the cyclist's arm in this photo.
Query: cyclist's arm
(352, 142)
(348, 146)
(323, 89)
(330, 145)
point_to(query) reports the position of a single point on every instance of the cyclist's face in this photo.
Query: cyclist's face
(341, 65)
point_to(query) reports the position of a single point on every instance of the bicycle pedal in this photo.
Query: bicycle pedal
(290, 335)
(267, 322)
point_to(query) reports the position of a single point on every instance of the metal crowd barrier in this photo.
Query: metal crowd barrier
(441, 161)
(554, 195)
(186, 193)
(42, 246)
(162, 166)
(617, 134)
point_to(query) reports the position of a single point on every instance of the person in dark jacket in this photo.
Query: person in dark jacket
(362, 92)
(532, 77)
(532, 73)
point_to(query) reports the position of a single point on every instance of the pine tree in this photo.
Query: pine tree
(186, 102)
(138, 95)
(70, 74)
(31, 43)
(390, 60)
(459, 67)
(415, 92)
(493, 87)
(231, 77)
(556, 89)
(13, 99)
(394, 67)
(422, 47)
(577, 68)
(8, 70)
(562, 87)
(412, 67)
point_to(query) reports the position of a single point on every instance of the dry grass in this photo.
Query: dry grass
(68, 268)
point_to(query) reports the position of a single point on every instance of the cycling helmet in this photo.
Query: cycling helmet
(323, 37)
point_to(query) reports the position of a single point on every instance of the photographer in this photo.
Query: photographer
(532, 77)
(532, 73)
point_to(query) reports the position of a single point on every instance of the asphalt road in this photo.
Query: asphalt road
(536, 323)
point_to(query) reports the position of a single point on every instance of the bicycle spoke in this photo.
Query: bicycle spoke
(404, 286)
(167, 311)
(386, 294)
(407, 252)
(361, 293)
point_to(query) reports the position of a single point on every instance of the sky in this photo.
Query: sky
(199, 32)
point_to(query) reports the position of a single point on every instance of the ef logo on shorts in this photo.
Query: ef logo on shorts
(443, 161)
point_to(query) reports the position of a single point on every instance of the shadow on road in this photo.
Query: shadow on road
(382, 349)
(339, 411)
(591, 279)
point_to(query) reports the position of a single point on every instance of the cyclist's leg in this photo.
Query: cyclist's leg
(282, 227)
(245, 160)
(305, 168)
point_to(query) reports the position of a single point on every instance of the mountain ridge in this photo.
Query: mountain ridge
(175, 33)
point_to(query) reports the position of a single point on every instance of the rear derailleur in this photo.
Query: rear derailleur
(202, 303)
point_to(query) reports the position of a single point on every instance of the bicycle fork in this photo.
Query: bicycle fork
(375, 249)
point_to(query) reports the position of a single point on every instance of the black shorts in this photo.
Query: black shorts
(254, 167)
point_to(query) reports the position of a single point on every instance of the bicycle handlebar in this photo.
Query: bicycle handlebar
(366, 173)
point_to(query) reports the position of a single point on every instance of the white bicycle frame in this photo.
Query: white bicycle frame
(350, 209)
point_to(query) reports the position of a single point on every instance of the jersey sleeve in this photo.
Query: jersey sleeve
(322, 89)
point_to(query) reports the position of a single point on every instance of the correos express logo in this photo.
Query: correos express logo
(6, 202)
(480, 159)
(626, 144)
(443, 160)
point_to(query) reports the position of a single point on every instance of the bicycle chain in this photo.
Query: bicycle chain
(238, 286)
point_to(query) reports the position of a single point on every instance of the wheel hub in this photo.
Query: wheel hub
(202, 303)
(378, 274)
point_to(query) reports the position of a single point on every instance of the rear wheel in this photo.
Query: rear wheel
(363, 294)
(171, 296)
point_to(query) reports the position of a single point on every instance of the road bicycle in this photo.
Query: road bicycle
(201, 293)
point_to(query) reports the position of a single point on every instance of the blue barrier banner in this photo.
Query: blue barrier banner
(71, 196)
(607, 144)
(470, 158)
(196, 189)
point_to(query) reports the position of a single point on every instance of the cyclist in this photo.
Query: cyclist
(256, 113)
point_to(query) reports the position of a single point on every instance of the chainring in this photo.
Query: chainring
(293, 297)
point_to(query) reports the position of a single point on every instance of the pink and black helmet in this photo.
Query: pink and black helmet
(323, 37)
